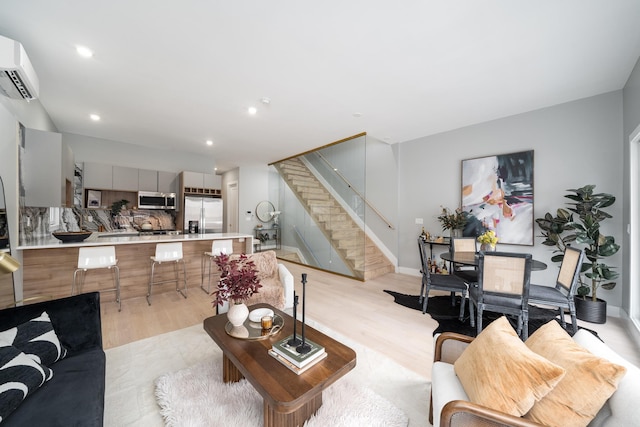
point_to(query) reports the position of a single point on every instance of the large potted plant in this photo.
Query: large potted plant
(238, 281)
(565, 229)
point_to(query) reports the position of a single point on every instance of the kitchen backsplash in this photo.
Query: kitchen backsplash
(41, 222)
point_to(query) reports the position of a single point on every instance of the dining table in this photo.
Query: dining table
(472, 259)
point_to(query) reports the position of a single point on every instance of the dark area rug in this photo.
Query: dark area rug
(441, 310)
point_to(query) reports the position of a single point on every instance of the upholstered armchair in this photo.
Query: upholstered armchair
(451, 406)
(276, 281)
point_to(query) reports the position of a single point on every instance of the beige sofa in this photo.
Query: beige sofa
(450, 405)
(276, 280)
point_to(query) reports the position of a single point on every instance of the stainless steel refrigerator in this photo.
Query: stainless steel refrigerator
(206, 210)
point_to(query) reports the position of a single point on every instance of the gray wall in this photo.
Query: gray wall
(253, 187)
(574, 144)
(381, 190)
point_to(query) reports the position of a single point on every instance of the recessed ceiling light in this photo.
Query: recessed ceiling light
(209, 142)
(94, 117)
(357, 114)
(252, 110)
(84, 51)
(266, 100)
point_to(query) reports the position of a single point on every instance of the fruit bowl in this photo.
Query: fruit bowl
(71, 236)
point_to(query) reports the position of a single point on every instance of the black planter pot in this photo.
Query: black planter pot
(591, 311)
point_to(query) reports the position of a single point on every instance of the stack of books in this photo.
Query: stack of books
(297, 362)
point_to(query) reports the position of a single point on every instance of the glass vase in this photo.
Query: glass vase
(487, 247)
(455, 232)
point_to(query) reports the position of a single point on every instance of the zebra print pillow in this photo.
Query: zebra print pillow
(37, 339)
(20, 376)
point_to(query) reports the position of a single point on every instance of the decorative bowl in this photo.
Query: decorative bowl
(71, 236)
(257, 314)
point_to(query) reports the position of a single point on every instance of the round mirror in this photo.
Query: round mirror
(264, 211)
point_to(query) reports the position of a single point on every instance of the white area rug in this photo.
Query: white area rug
(196, 396)
(133, 368)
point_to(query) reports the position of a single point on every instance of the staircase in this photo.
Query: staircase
(359, 253)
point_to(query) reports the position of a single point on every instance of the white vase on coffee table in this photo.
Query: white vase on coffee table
(238, 313)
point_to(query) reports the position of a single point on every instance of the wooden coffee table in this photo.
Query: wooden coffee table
(289, 399)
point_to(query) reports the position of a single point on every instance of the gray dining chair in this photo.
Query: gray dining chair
(464, 245)
(442, 282)
(503, 287)
(561, 295)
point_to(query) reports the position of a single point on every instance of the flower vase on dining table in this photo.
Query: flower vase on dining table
(455, 232)
(487, 247)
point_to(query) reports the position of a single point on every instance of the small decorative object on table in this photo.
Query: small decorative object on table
(488, 241)
(293, 359)
(304, 346)
(294, 341)
(238, 281)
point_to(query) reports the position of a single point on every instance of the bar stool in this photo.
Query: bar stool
(217, 247)
(168, 252)
(92, 258)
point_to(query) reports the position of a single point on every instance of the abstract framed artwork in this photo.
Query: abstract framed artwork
(497, 194)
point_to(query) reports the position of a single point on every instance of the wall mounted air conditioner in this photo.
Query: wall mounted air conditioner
(18, 79)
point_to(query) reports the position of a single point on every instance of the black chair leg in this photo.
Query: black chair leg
(562, 321)
(479, 321)
(462, 302)
(425, 300)
(423, 294)
(472, 319)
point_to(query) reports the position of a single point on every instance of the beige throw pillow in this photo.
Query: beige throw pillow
(590, 380)
(498, 371)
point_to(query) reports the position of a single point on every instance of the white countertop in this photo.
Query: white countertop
(107, 238)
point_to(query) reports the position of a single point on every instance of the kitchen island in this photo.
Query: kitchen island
(48, 264)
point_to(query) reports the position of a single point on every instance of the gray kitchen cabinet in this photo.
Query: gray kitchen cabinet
(125, 179)
(201, 180)
(193, 179)
(167, 182)
(147, 180)
(48, 168)
(97, 176)
(212, 181)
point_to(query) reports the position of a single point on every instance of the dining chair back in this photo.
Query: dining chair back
(503, 287)
(561, 295)
(466, 246)
(442, 282)
(463, 244)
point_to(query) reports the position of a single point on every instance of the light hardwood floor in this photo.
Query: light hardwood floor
(358, 310)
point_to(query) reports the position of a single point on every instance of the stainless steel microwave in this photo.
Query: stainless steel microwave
(154, 200)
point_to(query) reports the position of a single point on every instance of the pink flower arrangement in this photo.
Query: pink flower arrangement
(238, 279)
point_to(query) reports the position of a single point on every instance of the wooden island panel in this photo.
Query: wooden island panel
(49, 272)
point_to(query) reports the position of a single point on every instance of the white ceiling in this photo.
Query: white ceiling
(171, 74)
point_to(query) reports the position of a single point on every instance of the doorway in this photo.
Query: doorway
(232, 207)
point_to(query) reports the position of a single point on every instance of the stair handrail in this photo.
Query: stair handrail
(346, 181)
(305, 244)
